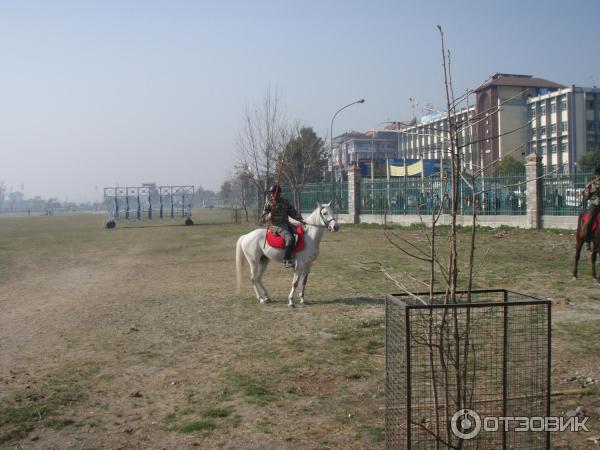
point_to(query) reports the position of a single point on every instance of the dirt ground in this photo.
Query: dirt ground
(135, 337)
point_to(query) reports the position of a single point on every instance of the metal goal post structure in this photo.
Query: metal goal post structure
(452, 366)
(148, 202)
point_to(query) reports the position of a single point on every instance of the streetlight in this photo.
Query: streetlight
(362, 100)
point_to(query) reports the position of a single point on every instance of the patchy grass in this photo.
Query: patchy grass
(251, 387)
(376, 434)
(57, 424)
(218, 365)
(190, 427)
(45, 406)
(217, 412)
(586, 336)
(147, 355)
(264, 426)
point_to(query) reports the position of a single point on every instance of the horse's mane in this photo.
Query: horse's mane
(312, 217)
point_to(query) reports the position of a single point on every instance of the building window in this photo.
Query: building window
(532, 112)
(590, 125)
(542, 131)
(542, 109)
(543, 149)
(590, 104)
(564, 127)
(553, 148)
(563, 105)
(563, 147)
(553, 128)
(552, 107)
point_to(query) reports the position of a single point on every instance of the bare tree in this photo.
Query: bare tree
(452, 367)
(261, 140)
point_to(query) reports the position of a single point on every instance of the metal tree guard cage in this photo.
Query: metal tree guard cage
(490, 354)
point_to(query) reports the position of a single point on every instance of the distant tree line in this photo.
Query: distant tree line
(15, 201)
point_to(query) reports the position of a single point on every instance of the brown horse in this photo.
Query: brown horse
(581, 235)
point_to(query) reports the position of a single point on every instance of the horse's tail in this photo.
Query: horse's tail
(239, 254)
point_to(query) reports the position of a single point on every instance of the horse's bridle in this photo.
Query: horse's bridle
(327, 222)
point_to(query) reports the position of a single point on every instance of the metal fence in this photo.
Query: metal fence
(322, 193)
(494, 195)
(490, 355)
(561, 193)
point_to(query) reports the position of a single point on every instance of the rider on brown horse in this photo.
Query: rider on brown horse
(592, 193)
(278, 210)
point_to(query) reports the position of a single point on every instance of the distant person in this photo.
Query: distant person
(592, 194)
(278, 210)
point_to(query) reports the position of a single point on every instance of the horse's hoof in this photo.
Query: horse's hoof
(574, 278)
(291, 305)
(264, 300)
(304, 302)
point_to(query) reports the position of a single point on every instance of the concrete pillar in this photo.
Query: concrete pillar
(354, 193)
(533, 172)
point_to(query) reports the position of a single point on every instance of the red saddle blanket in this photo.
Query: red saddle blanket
(584, 219)
(278, 242)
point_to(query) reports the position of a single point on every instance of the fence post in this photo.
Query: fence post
(533, 171)
(354, 193)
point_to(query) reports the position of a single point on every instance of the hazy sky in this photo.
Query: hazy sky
(94, 93)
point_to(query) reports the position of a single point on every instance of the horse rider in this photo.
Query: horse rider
(278, 210)
(592, 193)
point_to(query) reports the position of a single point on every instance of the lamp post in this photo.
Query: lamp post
(362, 100)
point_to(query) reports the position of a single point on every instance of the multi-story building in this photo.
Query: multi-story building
(512, 115)
(564, 125)
(502, 120)
(352, 147)
(429, 139)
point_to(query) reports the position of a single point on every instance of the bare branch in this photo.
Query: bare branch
(405, 251)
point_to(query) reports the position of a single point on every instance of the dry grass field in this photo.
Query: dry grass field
(135, 337)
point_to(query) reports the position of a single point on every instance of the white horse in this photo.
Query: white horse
(258, 253)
